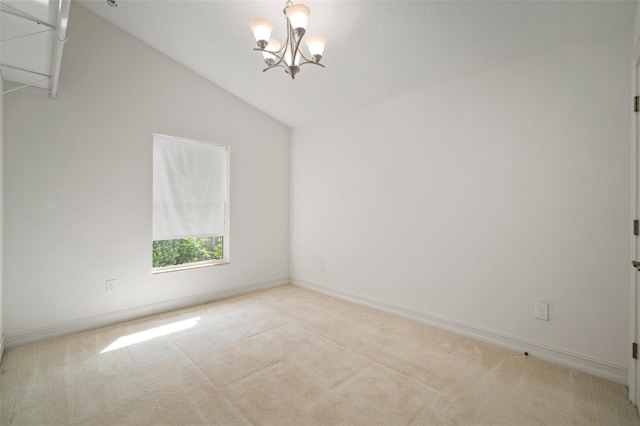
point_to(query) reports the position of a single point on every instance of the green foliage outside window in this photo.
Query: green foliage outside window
(186, 250)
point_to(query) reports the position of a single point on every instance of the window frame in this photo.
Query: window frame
(226, 259)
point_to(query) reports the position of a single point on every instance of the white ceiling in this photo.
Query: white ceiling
(375, 49)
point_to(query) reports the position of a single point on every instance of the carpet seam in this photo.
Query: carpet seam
(255, 373)
(188, 358)
(216, 389)
(378, 363)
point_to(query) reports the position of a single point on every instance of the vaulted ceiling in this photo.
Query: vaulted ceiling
(375, 49)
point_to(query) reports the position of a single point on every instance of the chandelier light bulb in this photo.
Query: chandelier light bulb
(261, 28)
(273, 46)
(316, 43)
(298, 15)
(287, 57)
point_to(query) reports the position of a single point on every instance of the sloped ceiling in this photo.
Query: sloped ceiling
(375, 49)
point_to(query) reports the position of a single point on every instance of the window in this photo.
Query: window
(190, 203)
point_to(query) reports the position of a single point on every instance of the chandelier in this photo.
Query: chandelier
(289, 56)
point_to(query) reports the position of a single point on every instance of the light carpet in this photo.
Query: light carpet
(289, 356)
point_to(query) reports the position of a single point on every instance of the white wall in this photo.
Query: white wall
(1, 215)
(79, 178)
(636, 25)
(472, 200)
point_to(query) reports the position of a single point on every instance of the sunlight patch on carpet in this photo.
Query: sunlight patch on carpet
(152, 333)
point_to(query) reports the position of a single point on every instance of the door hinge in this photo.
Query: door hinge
(636, 227)
(636, 104)
(634, 350)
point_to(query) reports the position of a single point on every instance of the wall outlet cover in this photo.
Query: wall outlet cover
(541, 311)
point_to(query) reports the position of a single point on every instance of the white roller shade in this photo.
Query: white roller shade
(189, 188)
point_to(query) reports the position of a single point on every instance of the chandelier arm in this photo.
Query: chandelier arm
(274, 66)
(279, 64)
(257, 49)
(280, 58)
(290, 40)
(297, 49)
(280, 53)
(312, 63)
(283, 48)
(309, 61)
(304, 57)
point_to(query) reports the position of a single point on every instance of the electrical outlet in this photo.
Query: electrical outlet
(111, 286)
(323, 265)
(541, 311)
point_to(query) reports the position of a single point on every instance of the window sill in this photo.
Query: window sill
(164, 270)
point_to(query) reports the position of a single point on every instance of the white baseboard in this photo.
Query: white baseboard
(84, 324)
(606, 370)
